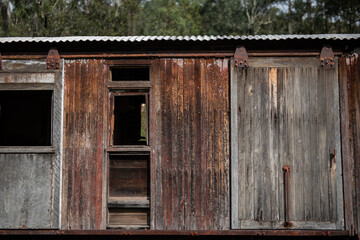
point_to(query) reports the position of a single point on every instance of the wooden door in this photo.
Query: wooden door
(285, 112)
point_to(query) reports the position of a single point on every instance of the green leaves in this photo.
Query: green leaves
(177, 17)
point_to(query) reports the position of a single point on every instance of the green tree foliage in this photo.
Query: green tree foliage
(177, 17)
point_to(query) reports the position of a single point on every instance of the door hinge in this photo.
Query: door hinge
(241, 57)
(53, 59)
(327, 57)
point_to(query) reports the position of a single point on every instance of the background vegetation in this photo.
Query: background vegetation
(177, 17)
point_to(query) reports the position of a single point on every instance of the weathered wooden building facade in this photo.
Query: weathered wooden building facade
(228, 136)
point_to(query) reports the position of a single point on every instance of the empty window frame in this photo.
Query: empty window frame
(25, 118)
(129, 190)
(130, 73)
(129, 118)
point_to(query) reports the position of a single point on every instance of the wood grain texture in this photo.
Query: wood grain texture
(350, 126)
(26, 198)
(33, 75)
(84, 101)
(286, 116)
(192, 151)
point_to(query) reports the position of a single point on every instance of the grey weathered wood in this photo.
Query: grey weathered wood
(19, 77)
(281, 62)
(26, 198)
(289, 116)
(236, 151)
(24, 66)
(30, 149)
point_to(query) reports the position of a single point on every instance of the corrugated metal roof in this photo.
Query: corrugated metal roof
(175, 38)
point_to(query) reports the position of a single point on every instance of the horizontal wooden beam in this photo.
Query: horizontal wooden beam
(222, 54)
(26, 149)
(296, 233)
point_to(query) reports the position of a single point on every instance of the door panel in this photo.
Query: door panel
(286, 116)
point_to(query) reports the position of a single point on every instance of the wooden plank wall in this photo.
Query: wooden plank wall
(350, 103)
(83, 144)
(287, 116)
(190, 165)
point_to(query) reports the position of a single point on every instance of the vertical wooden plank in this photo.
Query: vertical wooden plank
(197, 147)
(290, 136)
(273, 202)
(182, 140)
(83, 129)
(345, 145)
(323, 153)
(236, 150)
(204, 145)
(156, 148)
(315, 193)
(297, 169)
(281, 128)
(306, 133)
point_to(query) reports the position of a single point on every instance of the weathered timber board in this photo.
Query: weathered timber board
(26, 197)
(33, 75)
(351, 116)
(192, 152)
(84, 105)
(27, 77)
(286, 116)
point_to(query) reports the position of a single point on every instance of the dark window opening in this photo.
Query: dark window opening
(25, 118)
(138, 73)
(130, 120)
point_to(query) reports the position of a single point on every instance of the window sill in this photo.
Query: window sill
(27, 149)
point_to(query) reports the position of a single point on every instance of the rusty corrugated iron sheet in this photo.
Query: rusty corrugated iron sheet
(176, 38)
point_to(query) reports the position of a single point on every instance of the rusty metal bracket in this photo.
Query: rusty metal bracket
(53, 59)
(327, 57)
(241, 57)
(286, 170)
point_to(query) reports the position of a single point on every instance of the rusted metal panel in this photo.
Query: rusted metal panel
(26, 198)
(192, 152)
(84, 104)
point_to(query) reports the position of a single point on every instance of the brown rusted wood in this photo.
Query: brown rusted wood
(83, 129)
(353, 88)
(345, 145)
(192, 160)
(297, 233)
(32, 149)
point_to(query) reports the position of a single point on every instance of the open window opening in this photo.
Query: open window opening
(25, 118)
(129, 190)
(130, 125)
(133, 73)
